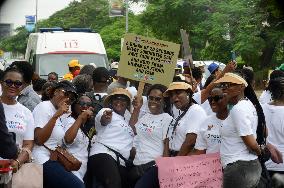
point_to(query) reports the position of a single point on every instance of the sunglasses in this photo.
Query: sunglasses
(70, 95)
(82, 103)
(215, 98)
(10, 83)
(227, 85)
(156, 99)
(121, 98)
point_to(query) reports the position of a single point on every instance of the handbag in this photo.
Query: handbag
(128, 162)
(30, 175)
(69, 162)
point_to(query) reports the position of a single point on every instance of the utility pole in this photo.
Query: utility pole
(126, 16)
(36, 16)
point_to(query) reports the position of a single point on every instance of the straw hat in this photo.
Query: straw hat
(117, 91)
(232, 78)
(177, 86)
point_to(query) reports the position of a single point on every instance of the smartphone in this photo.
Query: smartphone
(233, 56)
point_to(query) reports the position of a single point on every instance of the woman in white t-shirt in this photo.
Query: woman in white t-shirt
(265, 96)
(50, 132)
(19, 119)
(182, 132)
(76, 136)
(274, 115)
(150, 129)
(239, 149)
(209, 138)
(114, 136)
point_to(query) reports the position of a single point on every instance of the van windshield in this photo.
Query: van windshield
(59, 62)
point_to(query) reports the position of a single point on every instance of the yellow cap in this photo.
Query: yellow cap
(177, 86)
(232, 78)
(74, 63)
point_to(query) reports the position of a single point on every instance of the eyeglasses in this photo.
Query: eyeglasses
(156, 99)
(16, 83)
(82, 103)
(215, 98)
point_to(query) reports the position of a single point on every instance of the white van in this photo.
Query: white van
(51, 49)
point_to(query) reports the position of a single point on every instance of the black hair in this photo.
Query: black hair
(83, 83)
(248, 74)
(250, 94)
(47, 96)
(209, 80)
(99, 73)
(38, 84)
(53, 73)
(162, 88)
(274, 75)
(10, 69)
(276, 87)
(196, 73)
(25, 68)
(87, 69)
(1, 74)
(177, 79)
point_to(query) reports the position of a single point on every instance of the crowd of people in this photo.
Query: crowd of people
(117, 135)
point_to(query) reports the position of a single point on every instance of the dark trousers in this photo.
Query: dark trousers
(242, 174)
(149, 179)
(54, 175)
(105, 170)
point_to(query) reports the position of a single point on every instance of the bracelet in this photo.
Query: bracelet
(19, 164)
(29, 153)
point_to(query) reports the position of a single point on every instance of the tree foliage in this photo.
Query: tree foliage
(251, 28)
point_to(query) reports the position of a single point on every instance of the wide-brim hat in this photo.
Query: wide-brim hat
(117, 91)
(232, 78)
(177, 86)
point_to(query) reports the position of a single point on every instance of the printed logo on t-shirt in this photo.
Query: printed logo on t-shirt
(127, 128)
(214, 138)
(209, 127)
(19, 116)
(15, 125)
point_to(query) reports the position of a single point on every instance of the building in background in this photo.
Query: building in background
(13, 12)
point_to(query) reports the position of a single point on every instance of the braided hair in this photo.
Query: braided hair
(250, 94)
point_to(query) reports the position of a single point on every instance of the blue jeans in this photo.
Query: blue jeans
(54, 175)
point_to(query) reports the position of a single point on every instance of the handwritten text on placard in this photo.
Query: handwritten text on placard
(198, 171)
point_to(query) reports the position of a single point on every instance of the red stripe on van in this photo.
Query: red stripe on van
(71, 52)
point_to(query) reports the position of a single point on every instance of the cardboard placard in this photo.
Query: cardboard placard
(149, 60)
(190, 171)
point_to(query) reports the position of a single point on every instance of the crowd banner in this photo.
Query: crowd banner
(148, 60)
(116, 8)
(190, 171)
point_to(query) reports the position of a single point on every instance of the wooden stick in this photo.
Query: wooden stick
(140, 89)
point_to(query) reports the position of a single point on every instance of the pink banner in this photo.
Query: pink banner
(190, 171)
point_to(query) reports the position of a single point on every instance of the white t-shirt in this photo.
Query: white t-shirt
(274, 116)
(151, 131)
(117, 135)
(242, 121)
(42, 113)
(79, 147)
(19, 120)
(205, 105)
(265, 97)
(209, 138)
(189, 123)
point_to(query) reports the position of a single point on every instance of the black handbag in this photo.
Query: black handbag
(128, 162)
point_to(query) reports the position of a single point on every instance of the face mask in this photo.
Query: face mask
(76, 73)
